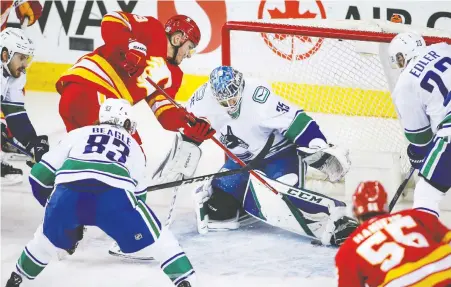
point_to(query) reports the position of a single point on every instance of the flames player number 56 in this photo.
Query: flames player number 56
(391, 253)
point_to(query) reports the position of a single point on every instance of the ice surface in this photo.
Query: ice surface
(258, 255)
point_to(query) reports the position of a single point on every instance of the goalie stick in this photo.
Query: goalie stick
(206, 177)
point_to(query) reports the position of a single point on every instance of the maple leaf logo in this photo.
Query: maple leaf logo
(291, 10)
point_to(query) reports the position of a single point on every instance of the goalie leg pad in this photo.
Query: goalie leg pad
(222, 205)
(183, 158)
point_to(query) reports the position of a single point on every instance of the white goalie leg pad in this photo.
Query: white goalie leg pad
(204, 224)
(332, 160)
(225, 225)
(183, 158)
(200, 197)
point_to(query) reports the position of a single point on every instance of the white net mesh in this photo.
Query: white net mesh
(341, 83)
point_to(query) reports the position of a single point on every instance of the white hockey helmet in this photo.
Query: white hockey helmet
(14, 41)
(403, 48)
(117, 112)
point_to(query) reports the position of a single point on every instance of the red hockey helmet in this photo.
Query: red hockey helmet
(370, 196)
(186, 25)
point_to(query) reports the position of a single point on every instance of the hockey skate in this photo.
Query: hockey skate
(11, 152)
(10, 175)
(115, 250)
(14, 280)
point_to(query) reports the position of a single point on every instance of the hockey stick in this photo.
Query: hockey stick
(216, 141)
(18, 147)
(400, 189)
(206, 177)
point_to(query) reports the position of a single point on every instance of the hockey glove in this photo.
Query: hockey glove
(38, 147)
(344, 227)
(199, 130)
(135, 57)
(333, 161)
(29, 9)
(415, 156)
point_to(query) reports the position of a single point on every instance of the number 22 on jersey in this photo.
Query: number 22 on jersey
(433, 77)
(116, 151)
(380, 249)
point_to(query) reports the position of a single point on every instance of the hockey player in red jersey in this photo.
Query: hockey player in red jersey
(136, 48)
(407, 248)
(24, 9)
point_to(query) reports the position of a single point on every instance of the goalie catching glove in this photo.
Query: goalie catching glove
(331, 160)
(182, 159)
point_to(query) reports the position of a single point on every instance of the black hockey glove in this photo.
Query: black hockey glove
(343, 229)
(38, 147)
(416, 159)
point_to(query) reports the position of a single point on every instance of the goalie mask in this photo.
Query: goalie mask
(403, 48)
(227, 86)
(117, 112)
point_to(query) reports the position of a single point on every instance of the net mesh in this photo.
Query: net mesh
(341, 83)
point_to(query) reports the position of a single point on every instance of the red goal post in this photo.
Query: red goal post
(311, 31)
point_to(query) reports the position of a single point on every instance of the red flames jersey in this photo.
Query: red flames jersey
(102, 69)
(6, 8)
(408, 248)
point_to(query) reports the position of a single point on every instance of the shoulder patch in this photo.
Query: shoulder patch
(261, 94)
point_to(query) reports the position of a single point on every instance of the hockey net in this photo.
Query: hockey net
(337, 71)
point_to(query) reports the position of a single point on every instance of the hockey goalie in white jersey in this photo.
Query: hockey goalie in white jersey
(422, 98)
(244, 112)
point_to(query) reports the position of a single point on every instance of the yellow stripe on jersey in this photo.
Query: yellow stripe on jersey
(447, 238)
(117, 81)
(101, 98)
(433, 279)
(162, 109)
(114, 19)
(123, 15)
(158, 98)
(92, 77)
(404, 269)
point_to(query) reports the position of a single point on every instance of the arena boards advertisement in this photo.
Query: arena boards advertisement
(69, 29)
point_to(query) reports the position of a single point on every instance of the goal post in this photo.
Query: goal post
(338, 71)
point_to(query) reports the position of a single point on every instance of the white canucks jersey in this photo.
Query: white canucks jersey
(422, 95)
(103, 152)
(261, 113)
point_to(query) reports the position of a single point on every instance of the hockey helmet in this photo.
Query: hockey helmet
(227, 86)
(186, 25)
(370, 197)
(117, 112)
(14, 41)
(403, 48)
